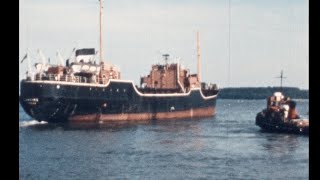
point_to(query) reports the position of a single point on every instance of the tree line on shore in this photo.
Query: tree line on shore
(261, 92)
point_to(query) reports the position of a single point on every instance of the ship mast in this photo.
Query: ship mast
(281, 77)
(101, 60)
(198, 52)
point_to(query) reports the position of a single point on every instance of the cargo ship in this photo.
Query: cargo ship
(81, 90)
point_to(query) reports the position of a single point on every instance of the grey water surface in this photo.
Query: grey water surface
(226, 146)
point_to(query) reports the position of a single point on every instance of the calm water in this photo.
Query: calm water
(227, 146)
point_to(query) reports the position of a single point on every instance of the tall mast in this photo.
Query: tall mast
(28, 58)
(198, 52)
(101, 60)
(281, 78)
(29, 64)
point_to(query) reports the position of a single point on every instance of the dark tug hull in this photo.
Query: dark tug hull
(274, 123)
(55, 101)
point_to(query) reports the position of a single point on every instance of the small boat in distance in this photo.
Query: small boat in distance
(281, 116)
(85, 91)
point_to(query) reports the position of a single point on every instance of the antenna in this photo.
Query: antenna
(28, 54)
(71, 57)
(60, 58)
(94, 57)
(166, 57)
(43, 59)
(28, 59)
(281, 77)
(198, 56)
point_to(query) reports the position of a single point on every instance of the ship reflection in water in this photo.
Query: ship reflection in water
(281, 145)
(163, 127)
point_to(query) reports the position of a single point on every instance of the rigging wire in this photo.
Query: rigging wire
(229, 64)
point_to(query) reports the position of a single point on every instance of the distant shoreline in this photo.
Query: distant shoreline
(261, 92)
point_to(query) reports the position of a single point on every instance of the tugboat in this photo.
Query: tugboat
(281, 116)
(85, 91)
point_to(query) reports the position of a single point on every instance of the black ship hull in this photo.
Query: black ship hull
(56, 101)
(273, 122)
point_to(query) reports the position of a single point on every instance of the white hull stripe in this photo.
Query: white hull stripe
(123, 81)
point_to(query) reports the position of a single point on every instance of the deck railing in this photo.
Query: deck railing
(68, 78)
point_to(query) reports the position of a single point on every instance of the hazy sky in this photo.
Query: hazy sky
(266, 36)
